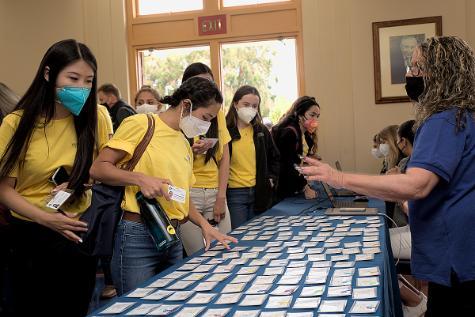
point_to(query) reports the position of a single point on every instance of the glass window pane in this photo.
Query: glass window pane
(168, 6)
(233, 3)
(270, 66)
(162, 69)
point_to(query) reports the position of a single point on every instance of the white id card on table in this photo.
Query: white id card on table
(143, 309)
(177, 194)
(364, 307)
(190, 311)
(117, 308)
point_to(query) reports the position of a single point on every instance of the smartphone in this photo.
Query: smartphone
(211, 141)
(59, 176)
(213, 222)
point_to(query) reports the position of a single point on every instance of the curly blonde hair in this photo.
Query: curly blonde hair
(448, 68)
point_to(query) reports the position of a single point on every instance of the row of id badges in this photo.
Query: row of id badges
(298, 266)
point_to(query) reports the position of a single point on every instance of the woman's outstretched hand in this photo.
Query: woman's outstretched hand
(316, 170)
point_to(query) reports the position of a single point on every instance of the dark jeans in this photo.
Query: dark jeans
(136, 257)
(457, 300)
(50, 276)
(240, 205)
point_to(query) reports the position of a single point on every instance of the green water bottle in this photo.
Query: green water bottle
(163, 233)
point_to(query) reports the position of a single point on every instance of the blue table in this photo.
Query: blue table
(295, 224)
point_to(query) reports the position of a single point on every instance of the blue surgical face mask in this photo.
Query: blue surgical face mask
(73, 98)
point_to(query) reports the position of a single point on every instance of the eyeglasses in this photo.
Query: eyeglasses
(414, 71)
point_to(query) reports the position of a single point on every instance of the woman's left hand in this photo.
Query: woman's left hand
(218, 209)
(58, 188)
(200, 147)
(210, 234)
(309, 192)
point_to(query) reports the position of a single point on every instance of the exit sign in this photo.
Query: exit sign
(213, 24)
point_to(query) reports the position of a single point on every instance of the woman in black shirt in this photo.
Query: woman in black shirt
(296, 136)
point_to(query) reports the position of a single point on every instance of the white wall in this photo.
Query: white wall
(28, 28)
(338, 57)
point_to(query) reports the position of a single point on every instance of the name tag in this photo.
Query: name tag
(177, 194)
(59, 199)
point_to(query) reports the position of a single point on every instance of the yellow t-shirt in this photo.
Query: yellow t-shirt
(168, 155)
(206, 174)
(106, 129)
(51, 147)
(242, 170)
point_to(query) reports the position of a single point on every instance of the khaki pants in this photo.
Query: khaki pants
(203, 199)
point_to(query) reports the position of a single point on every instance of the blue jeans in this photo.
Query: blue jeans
(136, 258)
(240, 205)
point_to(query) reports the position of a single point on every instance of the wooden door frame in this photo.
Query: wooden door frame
(139, 29)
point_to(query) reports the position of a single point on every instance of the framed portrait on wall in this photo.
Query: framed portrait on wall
(393, 44)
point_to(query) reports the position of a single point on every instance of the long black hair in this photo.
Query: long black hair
(292, 117)
(196, 69)
(298, 109)
(38, 109)
(232, 116)
(193, 70)
(200, 91)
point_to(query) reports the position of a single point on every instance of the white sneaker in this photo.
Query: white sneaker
(416, 311)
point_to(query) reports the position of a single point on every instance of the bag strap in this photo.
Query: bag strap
(140, 149)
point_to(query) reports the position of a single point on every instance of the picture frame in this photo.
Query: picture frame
(393, 43)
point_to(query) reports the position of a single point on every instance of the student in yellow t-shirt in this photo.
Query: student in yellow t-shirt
(211, 169)
(254, 167)
(168, 159)
(56, 124)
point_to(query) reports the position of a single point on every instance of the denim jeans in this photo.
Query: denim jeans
(241, 205)
(136, 258)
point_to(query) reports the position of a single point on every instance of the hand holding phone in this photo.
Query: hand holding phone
(199, 146)
(203, 144)
(210, 142)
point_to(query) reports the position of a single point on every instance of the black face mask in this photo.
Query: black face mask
(414, 87)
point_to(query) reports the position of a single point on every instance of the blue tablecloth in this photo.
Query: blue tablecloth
(293, 210)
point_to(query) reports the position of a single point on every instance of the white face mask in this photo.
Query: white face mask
(384, 149)
(246, 114)
(193, 126)
(147, 108)
(376, 153)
